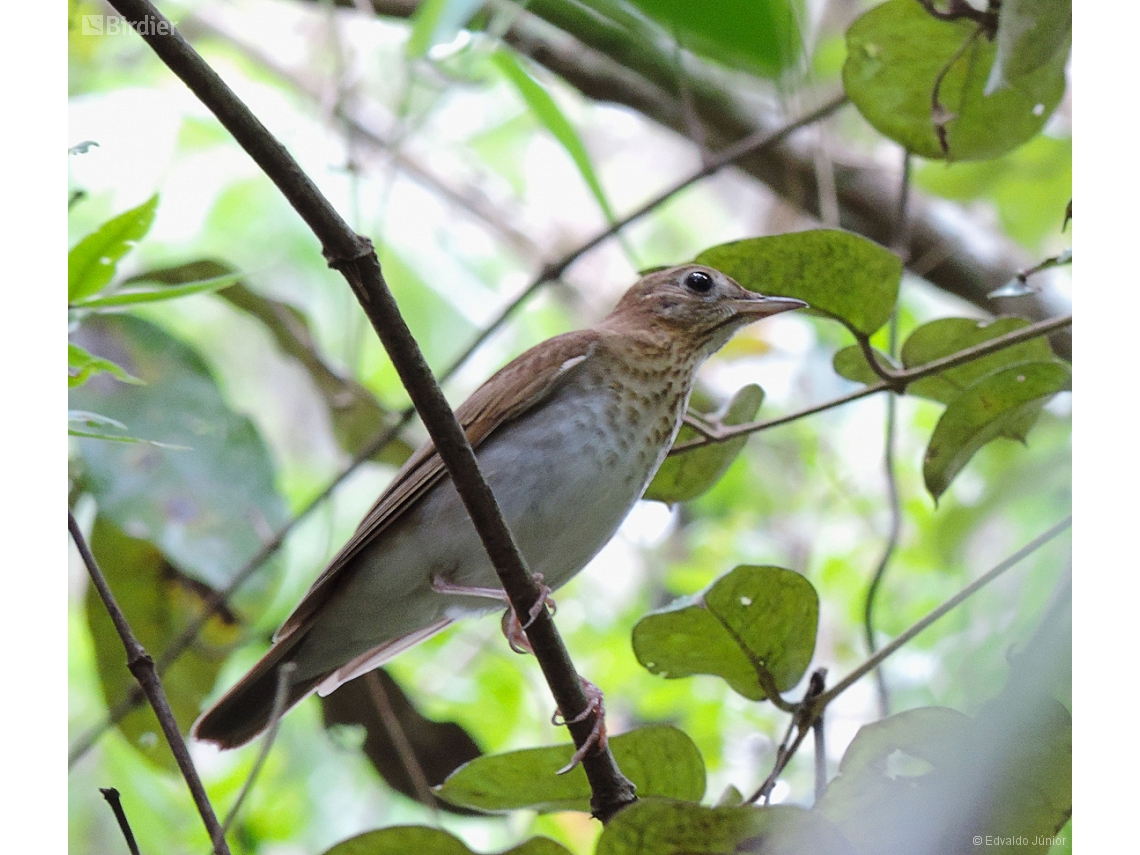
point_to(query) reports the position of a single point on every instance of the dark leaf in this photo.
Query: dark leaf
(851, 364)
(377, 703)
(760, 35)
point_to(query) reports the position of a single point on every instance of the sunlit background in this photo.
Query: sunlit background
(467, 194)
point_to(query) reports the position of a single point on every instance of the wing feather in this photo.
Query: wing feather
(512, 391)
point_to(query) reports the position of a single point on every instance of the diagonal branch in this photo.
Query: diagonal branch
(874, 661)
(141, 666)
(353, 256)
(900, 380)
(624, 65)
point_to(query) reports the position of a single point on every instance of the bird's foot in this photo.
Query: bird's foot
(597, 740)
(515, 630)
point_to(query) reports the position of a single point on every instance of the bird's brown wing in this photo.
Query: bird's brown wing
(514, 389)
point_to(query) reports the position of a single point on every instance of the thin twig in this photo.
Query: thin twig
(888, 552)
(399, 739)
(890, 475)
(805, 713)
(939, 115)
(1041, 328)
(112, 797)
(873, 662)
(280, 695)
(220, 598)
(820, 748)
(141, 665)
(751, 145)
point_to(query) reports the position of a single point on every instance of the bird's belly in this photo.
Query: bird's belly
(564, 478)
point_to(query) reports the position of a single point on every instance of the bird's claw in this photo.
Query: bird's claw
(515, 630)
(597, 740)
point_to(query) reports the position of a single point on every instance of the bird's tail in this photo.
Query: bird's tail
(245, 710)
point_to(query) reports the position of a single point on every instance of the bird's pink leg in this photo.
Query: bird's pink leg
(513, 629)
(596, 706)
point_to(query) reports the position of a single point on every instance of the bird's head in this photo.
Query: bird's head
(693, 305)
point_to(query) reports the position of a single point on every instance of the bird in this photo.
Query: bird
(568, 435)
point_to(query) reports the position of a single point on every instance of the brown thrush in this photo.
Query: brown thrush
(568, 436)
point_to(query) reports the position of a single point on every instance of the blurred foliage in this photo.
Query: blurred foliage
(238, 402)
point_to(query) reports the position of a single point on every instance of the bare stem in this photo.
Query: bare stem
(141, 666)
(1041, 328)
(279, 697)
(873, 661)
(112, 797)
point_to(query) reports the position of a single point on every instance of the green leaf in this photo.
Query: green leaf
(420, 840)
(851, 364)
(554, 120)
(921, 780)
(91, 262)
(947, 336)
(436, 22)
(357, 417)
(159, 602)
(132, 297)
(93, 420)
(82, 366)
(895, 53)
(1005, 403)
(659, 759)
(659, 827)
(759, 35)
(1030, 34)
(848, 277)
(683, 477)
(207, 509)
(751, 616)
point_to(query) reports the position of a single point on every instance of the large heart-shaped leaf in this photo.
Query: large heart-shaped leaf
(924, 779)
(752, 618)
(896, 54)
(659, 827)
(421, 840)
(843, 275)
(659, 759)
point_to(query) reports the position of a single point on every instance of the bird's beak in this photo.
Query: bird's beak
(759, 306)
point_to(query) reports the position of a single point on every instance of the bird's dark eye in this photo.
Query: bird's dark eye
(699, 281)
